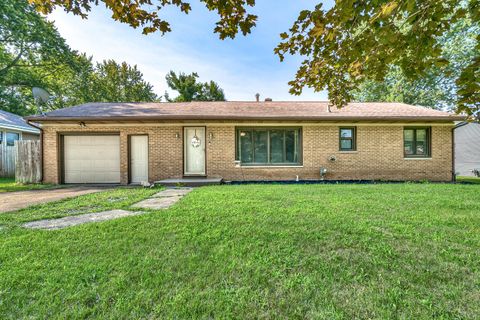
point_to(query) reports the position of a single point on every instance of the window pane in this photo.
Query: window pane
(11, 138)
(408, 136)
(246, 146)
(1, 137)
(421, 135)
(346, 144)
(346, 133)
(261, 142)
(276, 146)
(291, 146)
(421, 148)
(421, 142)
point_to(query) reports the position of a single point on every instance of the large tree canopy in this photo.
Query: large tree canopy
(121, 83)
(362, 40)
(32, 53)
(189, 89)
(437, 87)
(342, 47)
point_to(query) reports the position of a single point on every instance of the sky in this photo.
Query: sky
(242, 66)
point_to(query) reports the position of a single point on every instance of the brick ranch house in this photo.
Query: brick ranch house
(134, 142)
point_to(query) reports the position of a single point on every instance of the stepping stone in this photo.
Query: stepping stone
(157, 203)
(61, 223)
(178, 192)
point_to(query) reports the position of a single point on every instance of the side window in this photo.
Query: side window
(1, 137)
(348, 139)
(416, 142)
(12, 137)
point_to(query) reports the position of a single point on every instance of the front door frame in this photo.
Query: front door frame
(129, 151)
(185, 174)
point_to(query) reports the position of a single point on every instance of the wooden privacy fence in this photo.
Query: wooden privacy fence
(7, 161)
(28, 161)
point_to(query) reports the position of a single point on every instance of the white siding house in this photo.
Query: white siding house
(467, 148)
(12, 128)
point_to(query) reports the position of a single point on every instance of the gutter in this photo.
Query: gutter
(20, 128)
(242, 117)
(41, 146)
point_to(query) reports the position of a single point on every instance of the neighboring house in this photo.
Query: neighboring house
(467, 148)
(134, 142)
(12, 128)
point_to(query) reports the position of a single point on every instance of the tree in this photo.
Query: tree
(107, 81)
(121, 83)
(31, 50)
(32, 53)
(342, 47)
(191, 90)
(437, 87)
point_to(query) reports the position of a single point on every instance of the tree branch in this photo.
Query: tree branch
(13, 62)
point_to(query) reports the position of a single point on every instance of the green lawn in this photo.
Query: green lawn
(469, 180)
(386, 251)
(9, 185)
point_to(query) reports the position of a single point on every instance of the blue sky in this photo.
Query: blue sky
(242, 67)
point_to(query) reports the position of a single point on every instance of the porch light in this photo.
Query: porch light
(177, 135)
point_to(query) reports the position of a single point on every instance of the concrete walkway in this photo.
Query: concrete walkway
(161, 200)
(80, 219)
(11, 201)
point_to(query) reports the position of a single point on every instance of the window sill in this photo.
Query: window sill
(345, 151)
(419, 158)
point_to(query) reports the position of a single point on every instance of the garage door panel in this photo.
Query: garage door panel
(92, 159)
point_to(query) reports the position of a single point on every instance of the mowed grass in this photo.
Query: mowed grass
(408, 251)
(9, 185)
(469, 180)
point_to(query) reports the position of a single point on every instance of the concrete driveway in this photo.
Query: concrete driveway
(10, 201)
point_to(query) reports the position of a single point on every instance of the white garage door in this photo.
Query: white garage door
(92, 159)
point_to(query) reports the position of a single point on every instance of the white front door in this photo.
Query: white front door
(138, 159)
(194, 150)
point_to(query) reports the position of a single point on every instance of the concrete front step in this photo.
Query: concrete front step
(190, 182)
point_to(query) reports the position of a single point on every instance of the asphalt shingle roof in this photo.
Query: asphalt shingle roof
(12, 121)
(300, 111)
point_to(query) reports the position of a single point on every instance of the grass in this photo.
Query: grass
(9, 185)
(408, 251)
(469, 180)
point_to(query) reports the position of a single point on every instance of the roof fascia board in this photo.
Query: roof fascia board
(19, 128)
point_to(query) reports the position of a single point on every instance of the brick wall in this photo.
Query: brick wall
(379, 154)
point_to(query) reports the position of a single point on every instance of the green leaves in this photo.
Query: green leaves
(146, 13)
(343, 46)
(191, 90)
(387, 9)
(32, 53)
(445, 84)
(362, 40)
